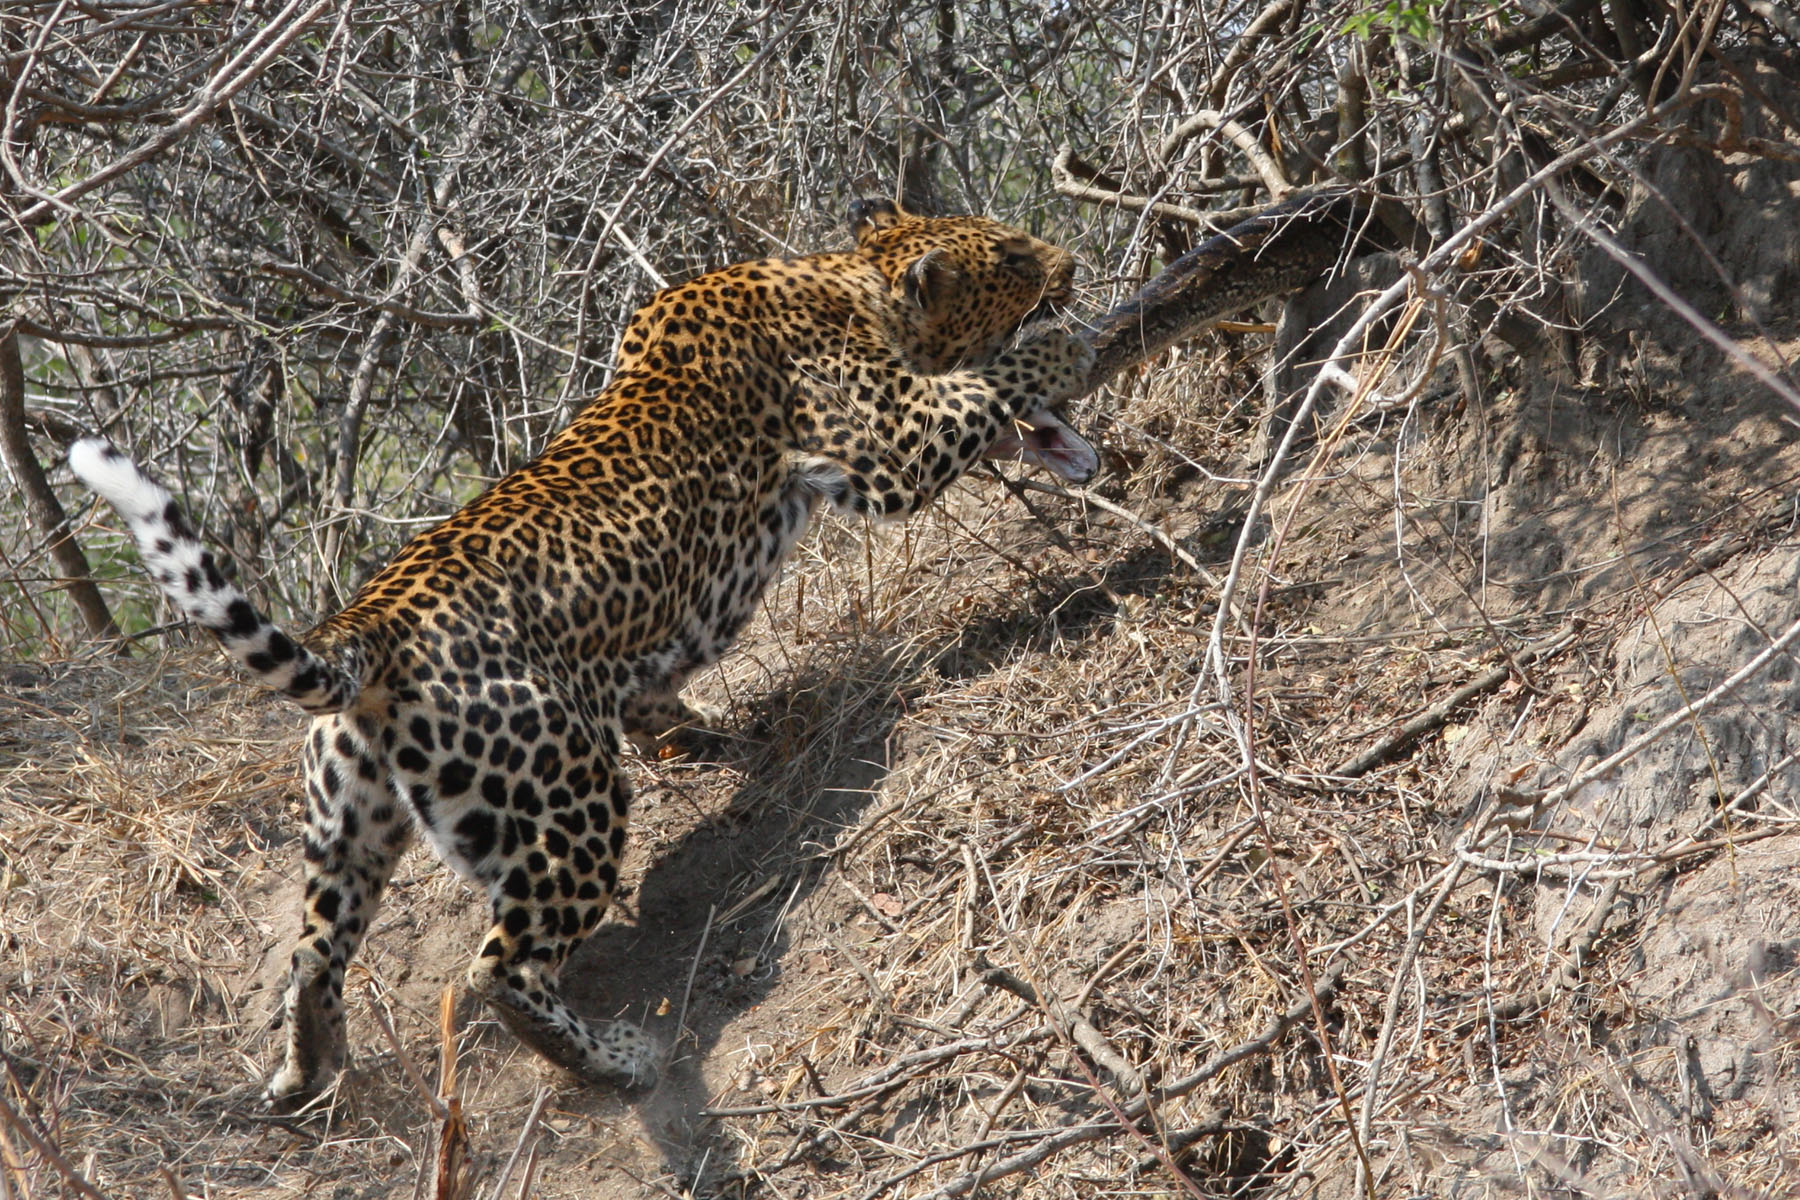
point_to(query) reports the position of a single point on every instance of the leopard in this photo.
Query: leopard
(481, 688)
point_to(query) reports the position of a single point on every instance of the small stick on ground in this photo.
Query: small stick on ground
(525, 1137)
(1415, 728)
(1073, 1025)
(432, 1098)
(687, 992)
(52, 1155)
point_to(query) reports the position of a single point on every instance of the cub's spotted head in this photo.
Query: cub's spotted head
(960, 286)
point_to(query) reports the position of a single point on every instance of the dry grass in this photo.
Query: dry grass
(1006, 912)
(137, 829)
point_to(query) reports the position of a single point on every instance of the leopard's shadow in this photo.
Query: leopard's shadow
(812, 755)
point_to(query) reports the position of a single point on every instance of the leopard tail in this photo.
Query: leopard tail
(189, 575)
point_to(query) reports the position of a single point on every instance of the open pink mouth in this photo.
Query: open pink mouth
(1041, 438)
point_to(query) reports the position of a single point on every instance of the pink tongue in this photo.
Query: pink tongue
(1045, 441)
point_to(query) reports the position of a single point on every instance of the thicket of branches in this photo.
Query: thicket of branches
(331, 264)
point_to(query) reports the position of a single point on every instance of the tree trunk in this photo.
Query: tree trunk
(40, 502)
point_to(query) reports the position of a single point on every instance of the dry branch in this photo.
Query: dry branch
(905, 1067)
(1081, 181)
(1267, 169)
(1071, 1023)
(1416, 727)
(1242, 50)
(262, 48)
(1283, 248)
(46, 511)
(1561, 19)
(1683, 713)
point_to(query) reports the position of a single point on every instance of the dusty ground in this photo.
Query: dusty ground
(988, 740)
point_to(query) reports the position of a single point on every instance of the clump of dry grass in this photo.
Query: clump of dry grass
(139, 810)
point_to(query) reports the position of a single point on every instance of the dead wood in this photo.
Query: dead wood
(1283, 248)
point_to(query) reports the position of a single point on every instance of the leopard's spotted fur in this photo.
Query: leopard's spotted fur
(478, 687)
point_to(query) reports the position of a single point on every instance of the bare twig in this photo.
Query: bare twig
(1075, 1135)
(48, 1150)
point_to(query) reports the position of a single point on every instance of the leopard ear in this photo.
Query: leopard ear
(930, 278)
(871, 216)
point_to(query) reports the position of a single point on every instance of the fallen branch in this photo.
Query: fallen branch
(1068, 1022)
(1686, 711)
(1611, 864)
(1438, 713)
(1282, 248)
(1160, 537)
(901, 1070)
(1177, 1141)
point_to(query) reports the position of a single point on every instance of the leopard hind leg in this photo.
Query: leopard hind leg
(547, 896)
(355, 832)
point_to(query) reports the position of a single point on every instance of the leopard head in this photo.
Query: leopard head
(960, 287)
